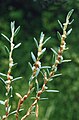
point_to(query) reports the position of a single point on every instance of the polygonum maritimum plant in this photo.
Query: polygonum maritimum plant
(48, 72)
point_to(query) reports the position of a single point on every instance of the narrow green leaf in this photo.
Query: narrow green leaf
(30, 65)
(2, 74)
(36, 42)
(69, 31)
(6, 48)
(71, 22)
(14, 112)
(61, 60)
(12, 26)
(50, 79)
(18, 95)
(41, 37)
(9, 108)
(16, 31)
(11, 88)
(54, 51)
(57, 75)
(69, 14)
(43, 98)
(16, 46)
(60, 24)
(46, 40)
(66, 61)
(48, 71)
(58, 35)
(33, 57)
(37, 72)
(43, 50)
(43, 67)
(42, 73)
(18, 78)
(52, 91)
(42, 53)
(5, 37)
(3, 80)
(15, 64)
(30, 80)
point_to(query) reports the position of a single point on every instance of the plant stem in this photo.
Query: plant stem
(54, 67)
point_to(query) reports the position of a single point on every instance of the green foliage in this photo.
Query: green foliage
(36, 16)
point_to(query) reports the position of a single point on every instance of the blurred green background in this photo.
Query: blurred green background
(35, 16)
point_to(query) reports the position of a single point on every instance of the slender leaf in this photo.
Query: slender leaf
(54, 51)
(48, 71)
(12, 26)
(69, 31)
(2, 80)
(33, 57)
(18, 95)
(41, 37)
(52, 91)
(18, 78)
(42, 73)
(5, 37)
(15, 64)
(11, 88)
(6, 48)
(45, 67)
(14, 112)
(43, 50)
(30, 65)
(9, 108)
(51, 79)
(2, 74)
(46, 40)
(58, 35)
(40, 56)
(37, 72)
(71, 22)
(69, 14)
(60, 24)
(16, 31)
(43, 98)
(66, 61)
(36, 42)
(16, 46)
(57, 75)
(30, 80)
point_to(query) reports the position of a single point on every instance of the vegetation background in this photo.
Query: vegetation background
(35, 16)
